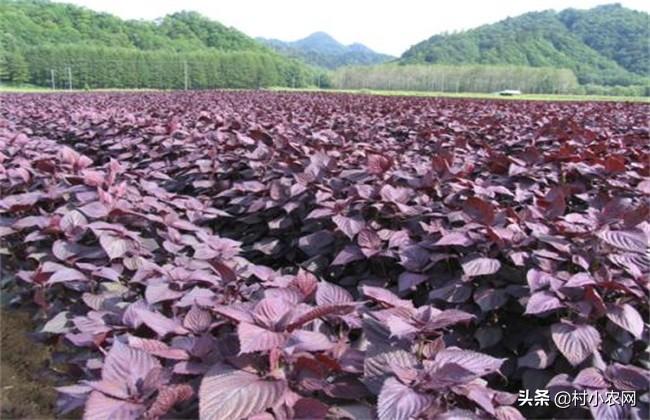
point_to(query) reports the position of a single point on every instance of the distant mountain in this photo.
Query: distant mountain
(604, 45)
(320, 49)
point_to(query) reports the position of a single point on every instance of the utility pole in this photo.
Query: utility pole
(69, 78)
(52, 78)
(185, 73)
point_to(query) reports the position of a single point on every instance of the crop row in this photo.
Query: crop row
(274, 256)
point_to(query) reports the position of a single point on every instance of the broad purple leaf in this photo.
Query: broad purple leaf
(590, 378)
(95, 210)
(409, 281)
(316, 243)
(65, 275)
(157, 348)
(350, 226)
(197, 320)
(385, 297)
(235, 313)
(575, 341)
(100, 406)
(331, 294)
(160, 323)
(633, 241)
(377, 367)
(253, 338)
(455, 239)
(114, 246)
(123, 366)
(397, 401)
(73, 220)
(481, 267)
(625, 316)
(318, 312)
(537, 358)
(478, 363)
(479, 210)
(628, 377)
(542, 302)
(505, 412)
(228, 393)
(167, 397)
(350, 253)
(308, 341)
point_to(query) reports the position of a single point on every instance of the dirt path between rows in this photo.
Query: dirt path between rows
(24, 394)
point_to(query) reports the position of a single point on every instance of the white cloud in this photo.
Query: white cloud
(386, 26)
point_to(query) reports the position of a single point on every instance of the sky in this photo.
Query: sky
(386, 26)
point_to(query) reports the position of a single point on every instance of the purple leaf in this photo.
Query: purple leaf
(481, 267)
(331, 294)
(505, 412)
(269, 311)
(167, 397)
(65, 275)
(627, 377)
(349, 225)
(479, 210)
(385, 297)
(197, 320)
(378, 367)
(542, 302)
(537, 358)
(575, 342)
(123, 367)
(397, 401)
(319, 312)
(605, 411)
(478, 363)
(308, 341)
(590, 378)
(489, 299)
(409, 281)
(235, 313)
(253, 338)
(227, 393)
(72, 220)
(454, 239)
(96, 210)
(160, 323)
(348, 254)
(414, 258)
(114, 246)
(627, 240)
(157, 348)
(316, 243)
(100, 406)
(155, 293)
(625, 316)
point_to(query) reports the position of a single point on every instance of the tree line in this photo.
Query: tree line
(91, 67)
(456, 78)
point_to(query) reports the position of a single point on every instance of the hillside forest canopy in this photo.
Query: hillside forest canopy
(602, 51)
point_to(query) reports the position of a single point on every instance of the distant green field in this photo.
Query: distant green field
(467, 95)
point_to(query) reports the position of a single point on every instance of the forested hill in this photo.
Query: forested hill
(41, 23)
(320, 49)
(41, 40)
(605, 45)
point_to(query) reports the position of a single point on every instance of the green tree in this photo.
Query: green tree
(17, 68)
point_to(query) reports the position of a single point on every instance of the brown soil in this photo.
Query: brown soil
(24, 393)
